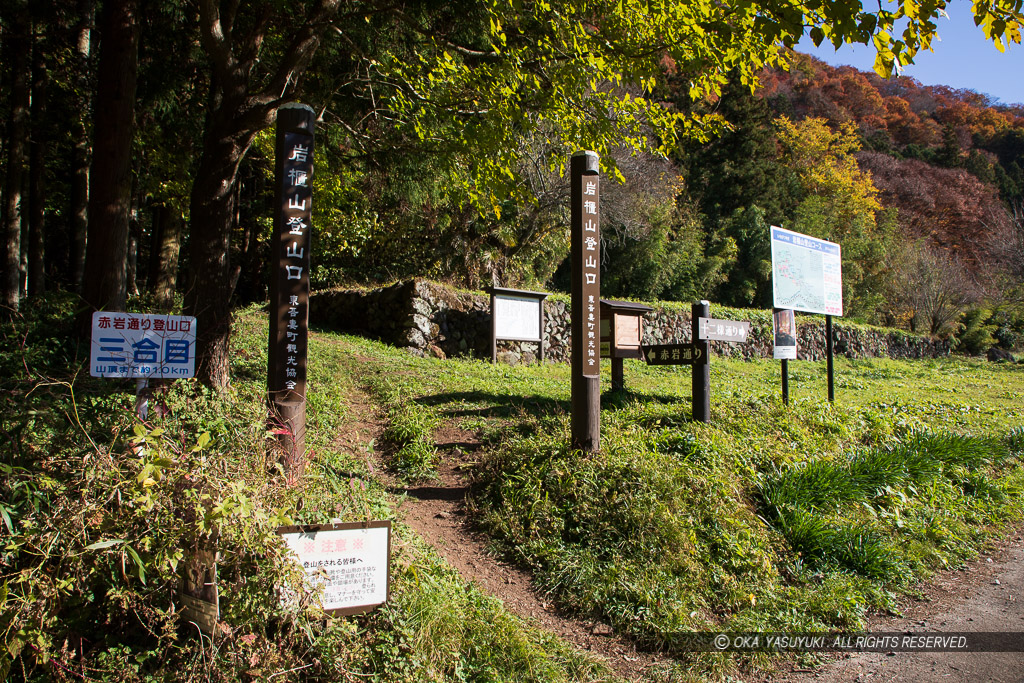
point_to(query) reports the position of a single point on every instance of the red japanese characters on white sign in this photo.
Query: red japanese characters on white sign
(142, 345)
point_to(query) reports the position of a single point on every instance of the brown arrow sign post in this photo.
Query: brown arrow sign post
(674, 354)
(698, 353)
(734, 331)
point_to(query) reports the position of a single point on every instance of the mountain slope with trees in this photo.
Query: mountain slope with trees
(443, 138)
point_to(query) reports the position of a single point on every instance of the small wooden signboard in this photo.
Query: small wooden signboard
(199, 595)
(517, 315)
(675, 354)
(351, 562)
(622, 328)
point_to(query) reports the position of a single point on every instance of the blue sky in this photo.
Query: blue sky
(963, 59)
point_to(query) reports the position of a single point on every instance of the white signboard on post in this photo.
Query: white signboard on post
(349, 562)
(807, 273)
(517, 318)
(142, 345)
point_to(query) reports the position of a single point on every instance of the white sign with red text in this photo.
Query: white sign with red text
(349, 563)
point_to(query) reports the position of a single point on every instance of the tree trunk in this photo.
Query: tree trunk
(110, 182)
(37, 178)
(79, 192)
(132, 262)
(134, 239)
(166, 246)
(16, 62)
(212, 211)
(236, 114)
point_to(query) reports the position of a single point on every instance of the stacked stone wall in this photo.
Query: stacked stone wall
(427, 318)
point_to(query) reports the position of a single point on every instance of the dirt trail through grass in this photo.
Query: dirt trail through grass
(986, 595)
(436, 510)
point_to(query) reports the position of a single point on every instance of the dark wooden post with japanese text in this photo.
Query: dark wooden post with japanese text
(289, 283)
(701, 373)
(585, 256)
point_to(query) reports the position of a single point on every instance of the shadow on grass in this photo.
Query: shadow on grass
(510, 405)
(617, 400)
(495, 405)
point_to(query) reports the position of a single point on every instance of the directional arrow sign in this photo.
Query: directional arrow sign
(674, 354)
(724, 330)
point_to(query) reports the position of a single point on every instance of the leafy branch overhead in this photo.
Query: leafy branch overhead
(584, 74)
(450, 120)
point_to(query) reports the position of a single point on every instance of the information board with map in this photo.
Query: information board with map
(807, 273)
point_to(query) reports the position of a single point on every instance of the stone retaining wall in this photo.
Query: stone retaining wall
(427, 318)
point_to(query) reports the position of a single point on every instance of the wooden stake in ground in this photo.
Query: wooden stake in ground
(289, 284)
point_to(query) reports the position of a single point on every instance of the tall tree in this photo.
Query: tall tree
(37, 170)
(78, 210)
(243, 100)
(17, 51)
(104, 286)
(165, 246)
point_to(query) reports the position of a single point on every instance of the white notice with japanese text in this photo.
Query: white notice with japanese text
(517, 317)
(348, 562)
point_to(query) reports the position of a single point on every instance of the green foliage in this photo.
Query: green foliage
(820, 506)
(102, 512)
(410, 429)
(749, 278)
(976, 332)
(1009, 328)
(665, 263)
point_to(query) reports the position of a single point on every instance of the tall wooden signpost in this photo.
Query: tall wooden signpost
(585, 256)
(289, 282)
(701, 392)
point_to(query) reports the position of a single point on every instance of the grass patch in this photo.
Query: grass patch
(99, 513)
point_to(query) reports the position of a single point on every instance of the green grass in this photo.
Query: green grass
(95, 532)
(770, 518)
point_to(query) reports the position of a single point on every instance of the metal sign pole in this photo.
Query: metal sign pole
(494, 331)
(785, 382)
(142, 398)
(828, 360)
(585, 255)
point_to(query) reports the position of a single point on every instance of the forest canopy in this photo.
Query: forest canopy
(136, 156)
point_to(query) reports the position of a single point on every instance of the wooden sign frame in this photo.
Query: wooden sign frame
(506, 293)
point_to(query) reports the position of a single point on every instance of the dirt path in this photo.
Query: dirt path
(436, 511)
(984, 596)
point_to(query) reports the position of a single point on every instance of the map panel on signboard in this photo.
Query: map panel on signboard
(806, 273)
(517, 317)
